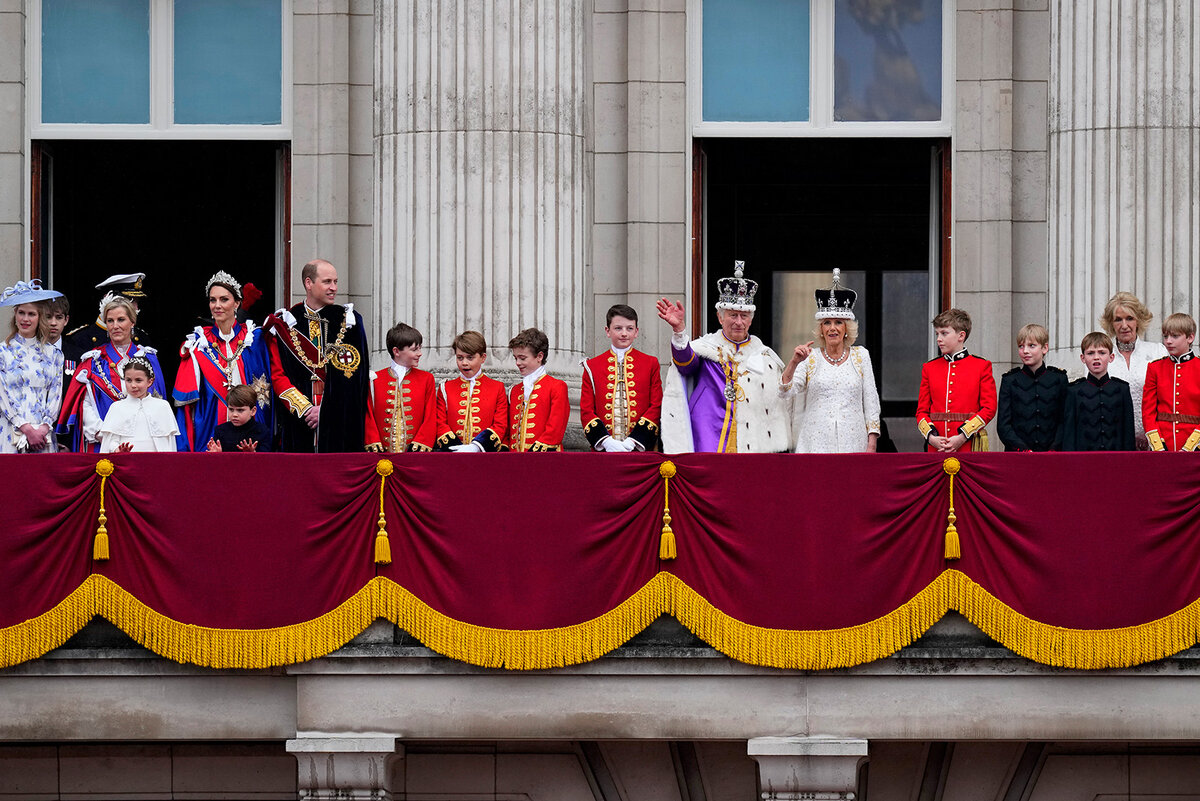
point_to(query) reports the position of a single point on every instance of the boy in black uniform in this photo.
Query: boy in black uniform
(1029, 416)
(1099, 409)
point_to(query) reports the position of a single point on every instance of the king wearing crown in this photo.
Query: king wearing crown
(721, 393)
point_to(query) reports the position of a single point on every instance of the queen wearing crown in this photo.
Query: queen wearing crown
(721, 390)
(832, 386)
(214, 359)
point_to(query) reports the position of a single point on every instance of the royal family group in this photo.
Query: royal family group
(300, 383)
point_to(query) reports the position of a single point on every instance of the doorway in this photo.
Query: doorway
(793, 209)
(177, 211)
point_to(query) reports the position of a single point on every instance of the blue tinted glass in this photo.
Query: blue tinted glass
(96, 61)
(888, 60)
(228, 62)
(756, 60)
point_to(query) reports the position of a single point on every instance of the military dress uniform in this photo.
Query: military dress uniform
(1098, 415)
(1171, 403)
(1029, 416)
(621, 398)
(958, 396)
(472, 410)
(538, 423)
(401, 411)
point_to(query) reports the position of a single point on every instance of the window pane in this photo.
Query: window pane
(755, 60)
(228, 57)
(905, 322)
(888, 60)
(96, 61)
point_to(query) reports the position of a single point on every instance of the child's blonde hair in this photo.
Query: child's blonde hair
(1033, 333)
(1179, 323)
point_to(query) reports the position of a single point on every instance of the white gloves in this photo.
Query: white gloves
(618, 445)
(470, 447)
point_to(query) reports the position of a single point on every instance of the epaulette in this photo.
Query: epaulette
(76, 330)
(1016, 370)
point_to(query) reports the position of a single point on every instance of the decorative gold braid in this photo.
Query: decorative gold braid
(324, 351)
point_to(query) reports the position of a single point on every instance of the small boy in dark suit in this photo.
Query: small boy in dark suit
(1099, 410)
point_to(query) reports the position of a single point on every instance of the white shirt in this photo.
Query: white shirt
(399, 370)
(531, 379)
(1135, 373)
(146, 422)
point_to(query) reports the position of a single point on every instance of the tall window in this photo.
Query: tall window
(817, 67)
(160, 66)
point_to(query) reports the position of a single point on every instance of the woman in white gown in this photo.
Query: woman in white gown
(832, 387)
(1126, 319)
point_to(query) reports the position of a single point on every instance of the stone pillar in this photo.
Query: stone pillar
(1124, 155)
(345, 768)
(480, 172)
(816, 768)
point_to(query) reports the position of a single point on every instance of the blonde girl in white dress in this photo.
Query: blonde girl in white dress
(832, 387)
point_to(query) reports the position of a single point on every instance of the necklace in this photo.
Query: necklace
(838, 360)
(231, 361)
(1126, 347)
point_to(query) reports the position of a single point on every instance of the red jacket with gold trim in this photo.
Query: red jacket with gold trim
(1171, 403)
(401, 416)
(540, 426)
(957, 396)
(642, 410)
(481, 417)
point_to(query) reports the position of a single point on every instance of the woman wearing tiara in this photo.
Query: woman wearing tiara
(99, 380)
(832, 385)
(215, 358)
(30, 373)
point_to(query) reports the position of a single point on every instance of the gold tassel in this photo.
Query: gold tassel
(953, 547)
(104, 468)
(666, 543)
(383, 548)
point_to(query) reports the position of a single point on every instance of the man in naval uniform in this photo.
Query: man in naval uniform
(722, 390)
(318, 368)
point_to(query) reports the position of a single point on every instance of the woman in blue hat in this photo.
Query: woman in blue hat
(30, 373)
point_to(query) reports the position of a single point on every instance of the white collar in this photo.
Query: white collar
(227, 338)
(470, 379)
(531, 379)
(29, 342)
(58, 344)
(398, 370)
(620, 352)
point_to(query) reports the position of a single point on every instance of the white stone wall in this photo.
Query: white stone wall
(999, 265)
(1124, 135)
(640, 246)
(331, 146)
(13, 177)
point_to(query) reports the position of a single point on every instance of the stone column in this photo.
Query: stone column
(480, 172)
(345, 768)
(817, 768)
(1124, 153)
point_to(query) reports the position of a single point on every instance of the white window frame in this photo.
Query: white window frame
(162, 89)
(820, 87)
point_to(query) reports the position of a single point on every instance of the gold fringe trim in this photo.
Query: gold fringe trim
(234, 648)
(534, 649)
(1086, 649)
(35, 637)
(815, 649)
(525, 649)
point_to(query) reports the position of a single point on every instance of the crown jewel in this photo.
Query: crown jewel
(837, 302)
(224, 279)
(737, 293)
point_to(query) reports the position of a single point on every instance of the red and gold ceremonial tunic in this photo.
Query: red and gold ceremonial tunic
(1171, 403)
(472, 412)
(958, 396)
(540, 424)
(401, 415)
(621, 398)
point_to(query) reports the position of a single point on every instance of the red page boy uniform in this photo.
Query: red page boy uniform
(401, 410)
(1171, 403)
(538, 413)
(958, 396)
(472, 410)
(622, 399)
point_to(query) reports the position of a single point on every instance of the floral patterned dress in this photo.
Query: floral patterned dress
(31, 378)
